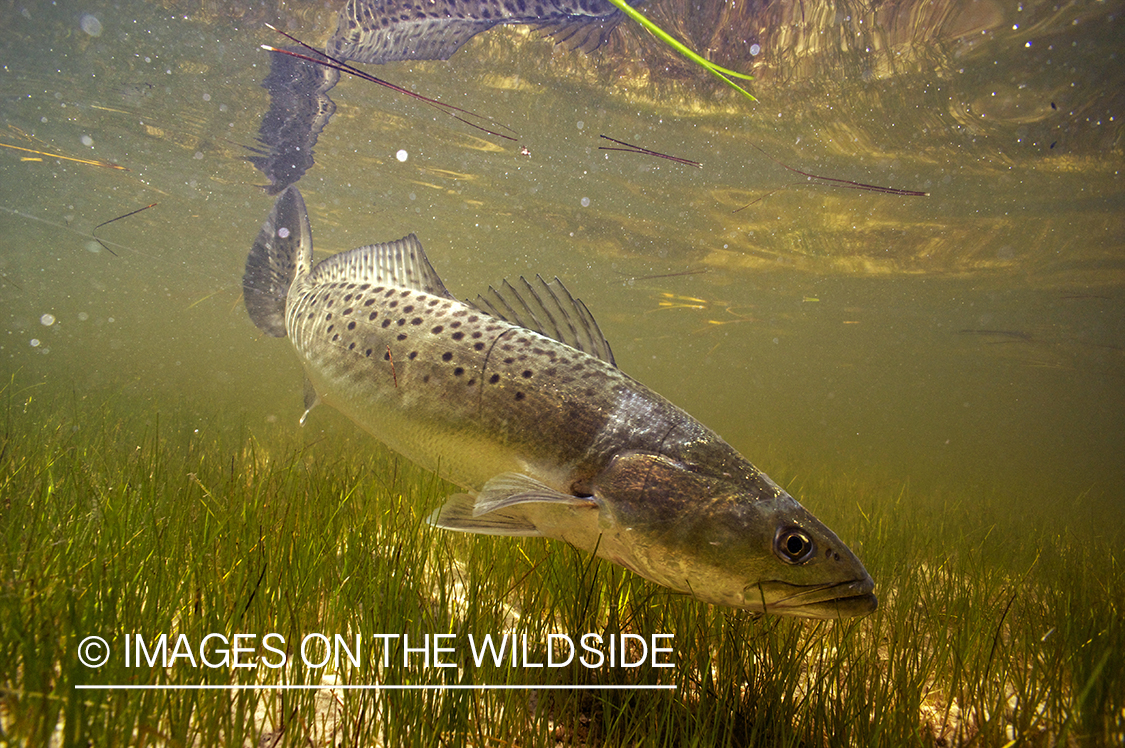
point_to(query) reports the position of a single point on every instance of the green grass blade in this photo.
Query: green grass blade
(718, 71)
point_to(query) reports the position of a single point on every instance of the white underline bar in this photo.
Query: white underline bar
(374, 687)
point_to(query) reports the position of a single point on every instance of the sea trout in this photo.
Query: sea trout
(516, 398)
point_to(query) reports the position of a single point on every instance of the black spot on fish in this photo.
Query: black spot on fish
(413, 355)
(526, 374)
(386, 323)
(372, 316)
(416, 321)
(367, 352)
(458, 371)
(408, 309)
(369, 302)
(401, 336)
(351, 347)
(458, 335)
(437, 329)
(494, 379)
(351, 325)
(519, 396)
(447, 356)
(478, 346)
(331, 328)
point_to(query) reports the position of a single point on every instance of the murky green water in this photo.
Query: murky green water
(972, 341)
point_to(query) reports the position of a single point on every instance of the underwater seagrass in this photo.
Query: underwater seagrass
(516, 398)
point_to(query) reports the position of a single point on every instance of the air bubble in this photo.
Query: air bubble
(90, 24)
(585, 202)
(47, 320)
(402, 156)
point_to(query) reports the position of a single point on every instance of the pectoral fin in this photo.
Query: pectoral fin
(496, 509)
(457, 514)
(509, 489)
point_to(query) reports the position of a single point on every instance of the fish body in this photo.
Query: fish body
(516, 398)
(379, 31)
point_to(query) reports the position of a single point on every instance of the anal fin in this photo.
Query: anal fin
(312, 399)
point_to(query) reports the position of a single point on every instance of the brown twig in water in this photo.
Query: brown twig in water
(846, 183)
(700, 271)
(1016, 334)
(630, 148)
(332, 62)
(94, 231)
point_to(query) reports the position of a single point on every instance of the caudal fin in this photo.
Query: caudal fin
(282, 250)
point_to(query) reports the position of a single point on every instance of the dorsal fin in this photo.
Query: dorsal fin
(402, 263)
(548, 309)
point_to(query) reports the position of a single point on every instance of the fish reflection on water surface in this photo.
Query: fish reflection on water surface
(516, 398)
(380, 31)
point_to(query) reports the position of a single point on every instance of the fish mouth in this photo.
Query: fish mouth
(841, 600)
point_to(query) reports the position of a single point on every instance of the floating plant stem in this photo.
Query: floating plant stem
(94, 232)
(90, 162)
(846, 183)
(630, 148)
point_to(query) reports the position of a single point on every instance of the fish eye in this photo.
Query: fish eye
(793, 545)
